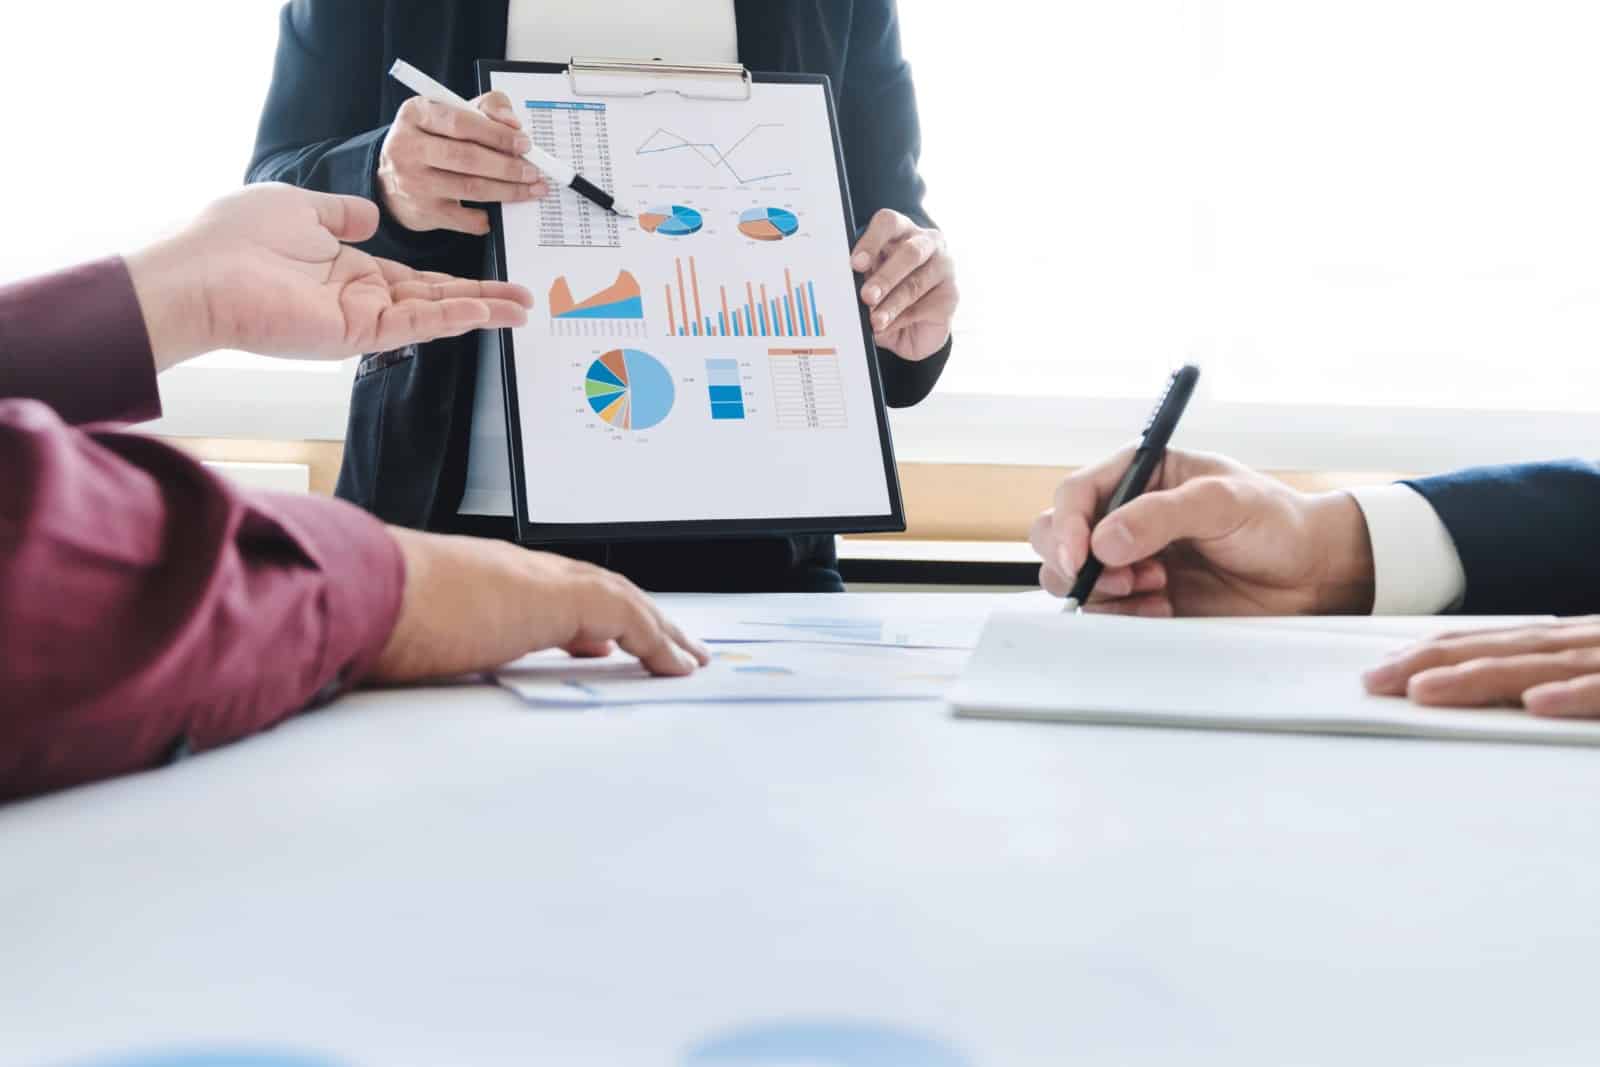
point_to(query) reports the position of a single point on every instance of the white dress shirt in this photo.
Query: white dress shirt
(545, 31)
(684, 31)
(1416, 567)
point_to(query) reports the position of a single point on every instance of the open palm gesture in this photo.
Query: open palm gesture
(267, 270)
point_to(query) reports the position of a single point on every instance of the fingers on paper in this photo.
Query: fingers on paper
(1575, 698)
(614, 609)
(1550, 669)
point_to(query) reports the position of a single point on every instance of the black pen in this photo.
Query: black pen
(1152, 449)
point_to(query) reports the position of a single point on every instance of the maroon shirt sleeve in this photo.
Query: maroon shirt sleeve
(145, 603)
(76, 340)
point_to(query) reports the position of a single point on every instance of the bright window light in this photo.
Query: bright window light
(1377, 202)
(132, 119)
(124, 119)
(1385, 205)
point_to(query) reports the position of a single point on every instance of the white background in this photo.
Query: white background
(1349, 214)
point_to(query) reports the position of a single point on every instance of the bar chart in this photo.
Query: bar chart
(786, 311)
(726, 389)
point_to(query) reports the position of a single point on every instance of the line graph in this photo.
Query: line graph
(663, 141)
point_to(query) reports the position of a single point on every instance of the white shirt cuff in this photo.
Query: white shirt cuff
(1416, 568)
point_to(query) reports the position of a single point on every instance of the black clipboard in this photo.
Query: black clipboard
(534, 533)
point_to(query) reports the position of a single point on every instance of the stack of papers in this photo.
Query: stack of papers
(1300, 676)
(786, 647)
(1033, 662)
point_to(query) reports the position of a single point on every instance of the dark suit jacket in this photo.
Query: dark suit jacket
(1528, 535)
(325, 119)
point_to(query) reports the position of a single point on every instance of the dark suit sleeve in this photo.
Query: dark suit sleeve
(1528, 535)
(322, 126)
(882, 141)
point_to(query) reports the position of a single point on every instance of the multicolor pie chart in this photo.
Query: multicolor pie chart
(673, 220)
(768, 224)
(629, 389)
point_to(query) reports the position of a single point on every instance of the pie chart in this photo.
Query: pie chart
(674, 220)
(631, 390)
(768, 223)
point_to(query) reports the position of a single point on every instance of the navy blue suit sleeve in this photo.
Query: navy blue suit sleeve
(323, 124)
(1528, 535)
(882, 143)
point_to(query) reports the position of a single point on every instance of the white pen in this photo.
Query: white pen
(558, 171)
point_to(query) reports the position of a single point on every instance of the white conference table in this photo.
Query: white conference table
(445, 877)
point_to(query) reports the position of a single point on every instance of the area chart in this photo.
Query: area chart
(616, 309)
(629, 389)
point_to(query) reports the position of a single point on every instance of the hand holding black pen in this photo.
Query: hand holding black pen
(1152, 449)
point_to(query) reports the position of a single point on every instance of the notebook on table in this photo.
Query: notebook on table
(1217, 675)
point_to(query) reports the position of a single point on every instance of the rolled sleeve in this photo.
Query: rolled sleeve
(146, 605)
(365, 576)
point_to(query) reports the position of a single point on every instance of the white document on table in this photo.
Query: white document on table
(901, 620)
(1401, 627)
(1220, 675)
(742, 674)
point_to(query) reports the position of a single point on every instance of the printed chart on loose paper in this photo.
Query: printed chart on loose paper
(705, 360)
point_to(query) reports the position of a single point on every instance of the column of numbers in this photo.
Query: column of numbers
(576, 133)
(808, 390)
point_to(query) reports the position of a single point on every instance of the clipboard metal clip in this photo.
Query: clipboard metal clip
(646, 77)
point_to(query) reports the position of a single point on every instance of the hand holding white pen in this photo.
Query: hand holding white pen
(490, 140)
(437, 155)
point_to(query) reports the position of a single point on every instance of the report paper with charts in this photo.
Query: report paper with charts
(705, 367)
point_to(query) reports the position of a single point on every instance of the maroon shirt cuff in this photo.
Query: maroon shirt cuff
(145, 603)
(365, 577)
(76, 340)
